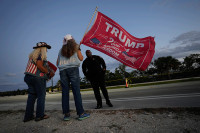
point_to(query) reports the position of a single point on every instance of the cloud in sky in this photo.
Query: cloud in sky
(183, 45)
(10, 74)
(188, 37)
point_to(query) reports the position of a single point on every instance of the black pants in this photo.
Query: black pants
(96, 84)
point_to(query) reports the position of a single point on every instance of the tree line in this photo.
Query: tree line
(162, 68)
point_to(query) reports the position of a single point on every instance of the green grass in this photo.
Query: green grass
(167, 82)
(156, 83)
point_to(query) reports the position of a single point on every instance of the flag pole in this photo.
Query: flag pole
(89, 22)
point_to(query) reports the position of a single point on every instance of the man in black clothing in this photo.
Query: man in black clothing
(94, 69)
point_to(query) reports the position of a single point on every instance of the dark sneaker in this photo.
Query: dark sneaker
(109, 104)
(83, 116)
(66, 117)
(98, 107)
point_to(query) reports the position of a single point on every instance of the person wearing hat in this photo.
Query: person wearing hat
(36, 74)
(68, 62)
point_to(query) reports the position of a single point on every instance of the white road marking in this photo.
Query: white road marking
(150, 97)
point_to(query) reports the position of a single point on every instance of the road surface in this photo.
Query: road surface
(181, 94)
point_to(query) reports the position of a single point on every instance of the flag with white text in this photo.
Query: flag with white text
(110, 38)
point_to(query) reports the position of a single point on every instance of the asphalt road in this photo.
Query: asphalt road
(181, 94)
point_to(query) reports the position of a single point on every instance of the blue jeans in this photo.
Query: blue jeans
(67, 76)
(36, 90)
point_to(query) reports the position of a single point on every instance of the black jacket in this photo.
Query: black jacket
(93, 67)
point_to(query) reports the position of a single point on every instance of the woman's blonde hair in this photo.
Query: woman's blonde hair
(38, 51)
(69, 49)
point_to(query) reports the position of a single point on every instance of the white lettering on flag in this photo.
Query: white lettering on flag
(110, 38)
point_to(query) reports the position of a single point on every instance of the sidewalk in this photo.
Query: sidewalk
(106, 121)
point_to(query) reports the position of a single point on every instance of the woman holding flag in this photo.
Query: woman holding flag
(68, 62)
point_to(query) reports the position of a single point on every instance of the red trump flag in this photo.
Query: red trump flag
(110, 38)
